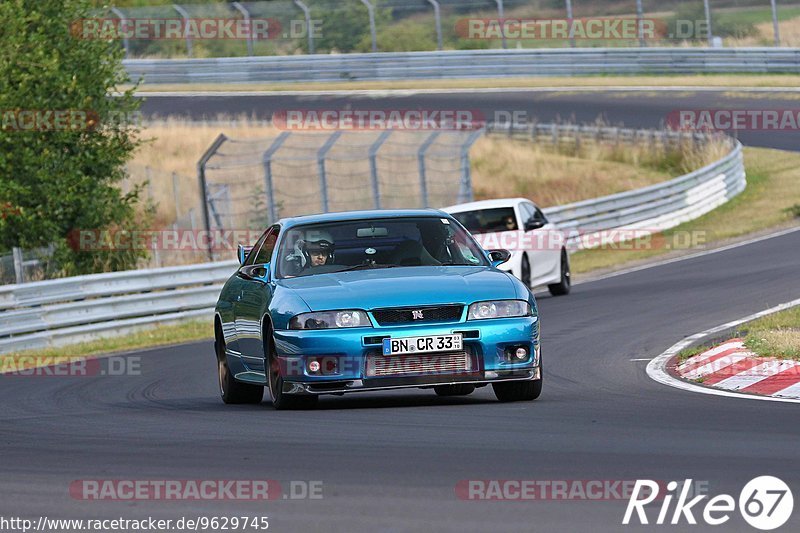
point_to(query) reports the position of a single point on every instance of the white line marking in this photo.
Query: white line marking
(647, 359)
(462, 90)
(656, 369)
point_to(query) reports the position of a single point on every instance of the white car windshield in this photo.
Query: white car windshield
(376, 243)
(488, 220)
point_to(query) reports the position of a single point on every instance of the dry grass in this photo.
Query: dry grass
(175, 146)
(701, 81)
(773, 189)
(148, 337)
(508, 168)
(789, 33)
(501, 167)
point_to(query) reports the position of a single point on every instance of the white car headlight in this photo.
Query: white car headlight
(498, 309)
(350, 318)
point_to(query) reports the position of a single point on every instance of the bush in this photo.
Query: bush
(58, 180)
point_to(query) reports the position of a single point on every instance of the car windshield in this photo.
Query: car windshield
(375, 243)
(488, 220)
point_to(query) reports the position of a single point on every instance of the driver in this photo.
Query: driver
(318, 248)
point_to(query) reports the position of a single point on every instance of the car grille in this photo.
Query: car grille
(445, 313)
(434, 363)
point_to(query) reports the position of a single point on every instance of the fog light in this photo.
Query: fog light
(313, 366)
(521, 353)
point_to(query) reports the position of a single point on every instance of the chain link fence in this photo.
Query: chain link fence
(343, 26)
(248, 184)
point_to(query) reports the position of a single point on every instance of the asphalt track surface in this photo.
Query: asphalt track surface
(391, 461)
(640, 109)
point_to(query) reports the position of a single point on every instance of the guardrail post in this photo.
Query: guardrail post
(465, 193)
(707, 10)
(201, 176)
(775, 29)
(437, 15)
(246, 15)
(423, 179)
(19, 272)
(373, 166)
(307, 15)
(267, 160)
(182, 12)
(122, 21)
(501, 15)
(569, 21)
(323, 178)
(373, 31)
(640, 22)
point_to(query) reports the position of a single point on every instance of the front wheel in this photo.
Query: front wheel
(281, 400)
(230, 390)
(518, 391)
(562, 287)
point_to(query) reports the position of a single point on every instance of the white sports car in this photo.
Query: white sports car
(538, 249)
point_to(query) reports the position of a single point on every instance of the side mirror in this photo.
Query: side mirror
(255, 272)
(534, 223)
(242, 252)
(498, 257)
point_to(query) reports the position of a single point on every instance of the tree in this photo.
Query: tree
(64, 139)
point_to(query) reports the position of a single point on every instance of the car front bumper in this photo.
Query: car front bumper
(343, 355)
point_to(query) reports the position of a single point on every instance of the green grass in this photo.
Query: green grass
(769, 201)
(757, 15)
(775, 335)
(147, 338)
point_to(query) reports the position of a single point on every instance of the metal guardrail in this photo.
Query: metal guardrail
(57, 312)
(650, 209)
(466, 64)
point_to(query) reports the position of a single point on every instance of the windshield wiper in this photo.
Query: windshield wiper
(368, 266)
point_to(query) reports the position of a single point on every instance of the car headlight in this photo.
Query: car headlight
(350, 318)
(498, 309)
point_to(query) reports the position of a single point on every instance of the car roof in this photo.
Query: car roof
(359, 215)
(484, 204)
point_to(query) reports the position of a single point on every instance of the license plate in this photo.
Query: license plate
(432, 343)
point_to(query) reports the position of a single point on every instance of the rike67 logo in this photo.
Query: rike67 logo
(765, 503)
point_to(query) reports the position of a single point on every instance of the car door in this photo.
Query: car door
(546, 253)
(256, 289)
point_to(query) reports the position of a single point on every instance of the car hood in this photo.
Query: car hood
(401, 287)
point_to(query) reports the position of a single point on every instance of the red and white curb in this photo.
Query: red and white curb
(731, 366)
(658, 370)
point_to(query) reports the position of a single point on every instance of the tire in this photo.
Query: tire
(230, 390)
(525, 271)
(563, 287)
(281, 400)
(518, 391)
(454, 390)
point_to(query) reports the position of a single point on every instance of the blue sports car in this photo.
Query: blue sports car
(374, 300)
